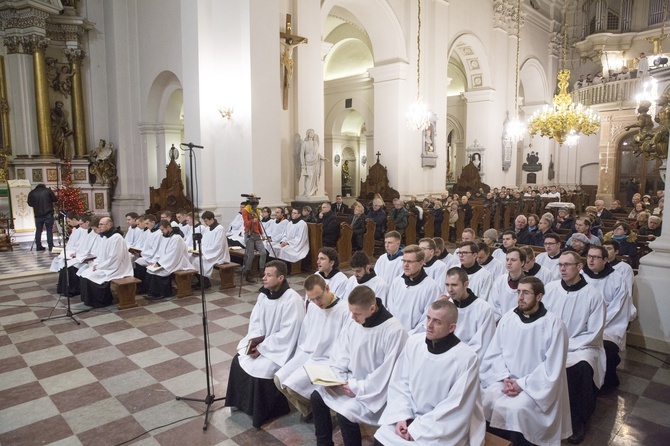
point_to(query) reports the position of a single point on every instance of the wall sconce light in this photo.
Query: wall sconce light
(337, 159)
(227, 112)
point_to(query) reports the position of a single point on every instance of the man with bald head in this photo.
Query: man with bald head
(416, 400)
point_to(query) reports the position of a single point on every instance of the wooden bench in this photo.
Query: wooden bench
(125, 291)
(410, 230)
(183, 280)
(315, 236)
(294, 268)
(494, 440)
(237, 255)
(369, 237)
(429, 224)
(344, 244)
(227, 275)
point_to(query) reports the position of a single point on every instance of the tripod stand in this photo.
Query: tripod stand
(210, 398)
(264, 236)
(68, 312)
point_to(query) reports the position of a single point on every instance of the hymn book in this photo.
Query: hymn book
(193, 251)
(154, 268)
(56, 250)
(322, 375)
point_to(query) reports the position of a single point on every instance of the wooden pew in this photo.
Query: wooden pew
(390, 224)
(369, 238)
(410, 230)
(477, 213)
(344, 244)
(315, 234)
(125, 291)
(429, 224)
(486, 219)
(460, 223)
(183, 280)
(497, 217)
(445, 227)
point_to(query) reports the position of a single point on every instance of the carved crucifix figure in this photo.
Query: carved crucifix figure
(288, 42)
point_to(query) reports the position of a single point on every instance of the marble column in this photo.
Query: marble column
(75, 56)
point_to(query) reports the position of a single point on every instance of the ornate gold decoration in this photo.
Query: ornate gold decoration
(52, 174)
(80, 174)
(288, 42)
(37, 176)
(20, 174)
(653, 143)
(41, 96)
(84, 200)
(565, 120)
(99, 201)
(6, 142)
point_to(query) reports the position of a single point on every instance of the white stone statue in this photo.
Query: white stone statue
(310, 162)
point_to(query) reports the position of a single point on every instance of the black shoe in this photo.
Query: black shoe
(578, 433)
(154, 296)
(40, 248)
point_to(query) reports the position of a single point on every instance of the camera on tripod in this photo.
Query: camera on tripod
(252, 199)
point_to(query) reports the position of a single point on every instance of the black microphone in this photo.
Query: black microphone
(191, 145)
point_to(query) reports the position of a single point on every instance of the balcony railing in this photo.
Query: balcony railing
(617, 91)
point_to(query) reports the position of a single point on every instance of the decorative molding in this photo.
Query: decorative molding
(74, 54)
(505, 16)
(555, 45)
(34, 43)
(13, 44)
(389, 72)
(24, 18)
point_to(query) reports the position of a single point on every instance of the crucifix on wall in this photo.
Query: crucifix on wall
(288, 42)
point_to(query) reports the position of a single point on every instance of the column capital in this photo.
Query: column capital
(505, 16)
(13, 44)
(483, 95)
(74, 54)
(34, 43)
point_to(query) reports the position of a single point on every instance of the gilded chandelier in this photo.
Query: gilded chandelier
(565, 120)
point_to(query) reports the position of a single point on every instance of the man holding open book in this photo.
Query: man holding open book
(363, 358)
(325, 318)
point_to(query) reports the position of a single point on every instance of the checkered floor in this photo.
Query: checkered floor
(22, 260)
(114, 377)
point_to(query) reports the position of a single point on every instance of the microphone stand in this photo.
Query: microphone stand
(210, 398)
(68, 312)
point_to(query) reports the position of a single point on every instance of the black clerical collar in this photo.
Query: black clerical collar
(88, 231)
(467, 301)
(296, 220)
(110, 232)
(534, 270)
(279, 220)
(333, 303)
(443, 255)
(213, 225)
(378, 317)
(417, 280)
(367, 277)
(554, 257)
(614, 262)
(183, 223)
(473, 269)
(431, 263)
(488, 260)
(170, 234)
(394, 256)
(514, 283)
(442, 345)
(274, 295)
(527, 319)
(576, 287)
(331, 275)
(607, 270)
(77, 227)
(265, 219)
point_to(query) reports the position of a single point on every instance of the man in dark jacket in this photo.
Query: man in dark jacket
(42, 200)
(378, 215)
(400, 215)
(331, 226)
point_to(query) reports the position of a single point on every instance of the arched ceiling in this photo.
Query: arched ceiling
(352, 124)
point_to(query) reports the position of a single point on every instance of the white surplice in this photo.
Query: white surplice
(445, 410)
(318, 333)
(437, 271)
(336, 281)
(172, 255)
(583, 313)
(70, 247)
(236, 229)
(214, 249)
(112, 261)
(534, 353)
(476, 325)
(547, 262)
(297, 237)
(151, 244)
(409, 300)
(279, 320)
(480, 282)
(387, 269)
(503, 297)
(375, 283)
(495, 267)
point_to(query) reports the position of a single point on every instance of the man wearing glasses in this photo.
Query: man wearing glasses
(503, 296)
(480, 279)
(618, 303)
(581, 307)
(411, 294)
(552, 246)
(523, 372)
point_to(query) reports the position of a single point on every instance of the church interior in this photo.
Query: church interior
(149, 105)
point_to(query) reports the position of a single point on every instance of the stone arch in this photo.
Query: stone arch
(472, 53)
(336, 115)
(164, 102)
(533, 77)
(381, 24)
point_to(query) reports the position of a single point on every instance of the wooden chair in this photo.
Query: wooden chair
(344, 244)
(125, 291)
(183, 280)
(226, 275)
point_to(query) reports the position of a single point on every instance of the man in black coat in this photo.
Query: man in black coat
(331, 226)
(339, 207)
(42, 200)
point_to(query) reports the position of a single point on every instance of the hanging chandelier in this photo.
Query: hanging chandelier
(418, 116)
(515, 128)
(565, 120)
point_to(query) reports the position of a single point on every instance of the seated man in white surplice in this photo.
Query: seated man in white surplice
(214, 248)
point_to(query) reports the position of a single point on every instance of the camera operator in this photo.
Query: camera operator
(252, 235)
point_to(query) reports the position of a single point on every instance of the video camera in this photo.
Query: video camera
(252, 199)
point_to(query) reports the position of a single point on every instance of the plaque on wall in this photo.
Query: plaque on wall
(52, 174)
(80, 174)
(99, 201)
(20, 174)
(37, 176)
(84, 200)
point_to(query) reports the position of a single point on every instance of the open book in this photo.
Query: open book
(322, 375)
(56, 250)
(193, 251)
(154, 268)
